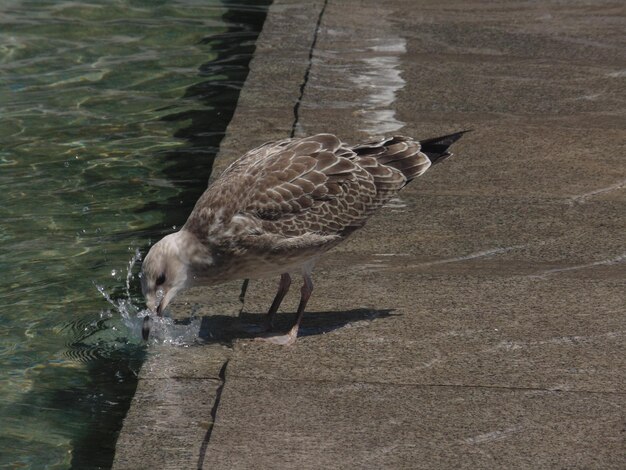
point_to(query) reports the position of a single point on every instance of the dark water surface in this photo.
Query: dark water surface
(110, 115)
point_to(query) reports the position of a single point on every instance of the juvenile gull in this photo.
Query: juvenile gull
(277, 209)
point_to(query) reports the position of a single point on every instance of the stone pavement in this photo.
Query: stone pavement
(477, 322)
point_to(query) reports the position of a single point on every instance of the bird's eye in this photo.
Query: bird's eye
(160, 280)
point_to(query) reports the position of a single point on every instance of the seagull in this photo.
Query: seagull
(277, 209)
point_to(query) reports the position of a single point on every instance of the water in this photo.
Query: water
(110, 115)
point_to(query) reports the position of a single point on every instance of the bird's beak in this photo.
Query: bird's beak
(152, 305)
(145, 327)
(165, 301)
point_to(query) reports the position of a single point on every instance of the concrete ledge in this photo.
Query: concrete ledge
(171, 416)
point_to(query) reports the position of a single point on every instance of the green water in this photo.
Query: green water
(110, 115)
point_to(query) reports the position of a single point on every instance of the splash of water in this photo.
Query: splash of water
(129, 270)
(163, 330)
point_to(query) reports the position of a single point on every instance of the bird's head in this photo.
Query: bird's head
(165, 271)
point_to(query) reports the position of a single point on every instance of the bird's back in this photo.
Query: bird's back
(314, 186)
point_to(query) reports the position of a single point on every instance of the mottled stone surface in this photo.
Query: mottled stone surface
(477, 322)
(390, 425)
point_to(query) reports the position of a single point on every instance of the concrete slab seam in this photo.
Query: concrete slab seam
(296, 107)
(216, 404)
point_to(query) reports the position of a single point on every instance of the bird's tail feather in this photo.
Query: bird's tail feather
(436, 149)
(410, 157)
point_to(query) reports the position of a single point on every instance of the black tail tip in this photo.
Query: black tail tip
(446, 140)
(436, 149)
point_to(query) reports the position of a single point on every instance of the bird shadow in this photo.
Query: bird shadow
(225, 329)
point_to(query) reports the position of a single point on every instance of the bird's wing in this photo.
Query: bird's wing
(309, 186)
(257, 154)
(315, 187)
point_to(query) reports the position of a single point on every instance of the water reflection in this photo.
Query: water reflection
(107, 136)
(382, 79)
(372, 70)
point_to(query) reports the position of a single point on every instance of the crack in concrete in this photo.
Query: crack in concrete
(296, 108)
(216, 404)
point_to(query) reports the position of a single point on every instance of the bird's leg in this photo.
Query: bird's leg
(283, 288)
(305, 294)
(242, 295)
(145, 327)
(291, 336)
